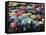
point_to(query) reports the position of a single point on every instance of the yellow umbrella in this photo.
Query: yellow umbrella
(12, 14)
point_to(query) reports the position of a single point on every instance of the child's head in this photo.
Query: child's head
(33, 6)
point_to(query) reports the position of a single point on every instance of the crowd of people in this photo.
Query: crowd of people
(26, 17)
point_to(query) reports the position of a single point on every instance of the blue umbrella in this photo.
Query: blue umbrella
(13, 18)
